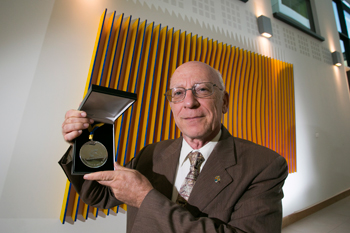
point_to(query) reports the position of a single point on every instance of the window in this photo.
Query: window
(342, 18)
(299, 10)
(297, 13)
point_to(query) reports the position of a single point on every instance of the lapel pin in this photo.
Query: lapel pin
(217, 179)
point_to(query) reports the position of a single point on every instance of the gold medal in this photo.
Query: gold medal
(93, 153)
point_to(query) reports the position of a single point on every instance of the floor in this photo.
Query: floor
(332, 219)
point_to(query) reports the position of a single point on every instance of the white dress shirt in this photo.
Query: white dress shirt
(183, 167)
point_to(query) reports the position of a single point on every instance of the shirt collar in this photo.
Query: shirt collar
(205, 150)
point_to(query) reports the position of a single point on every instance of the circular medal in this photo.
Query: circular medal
(93, 154)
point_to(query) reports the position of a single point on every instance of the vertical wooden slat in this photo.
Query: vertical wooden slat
(148, 88)
(250, 97)
(213, 54)
(105, 211)
(65, 202)
(129, 56)
(86, 211)
(96, 56)
(141, 89)
(121, 52)
(217, 60)
(193, 48)
(254, 97)
(272, 104)
(236, 110)
(95, 212)
(227, 81)
(223, 72)
(204, 50)
(223, 58)
(292, 115)
(246, 119)
(187, 52)
(225, 67)
(106, 54)
(166, 76)
(199, 48)
(124, 152)
(123, 123)
(264, 103)
(163, 87)
(182, 45)
(259, 100)
(75, 207)
(269, 103)
(174, 132)
(158, 98)
(180, 61)
(279, 103)
(209, 52)
(117, 28)
(231, 90)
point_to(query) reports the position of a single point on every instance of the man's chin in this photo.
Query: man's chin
(194, 133)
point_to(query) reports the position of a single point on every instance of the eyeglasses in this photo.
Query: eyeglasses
(199, 90)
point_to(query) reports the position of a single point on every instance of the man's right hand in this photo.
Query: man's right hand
(74, 123)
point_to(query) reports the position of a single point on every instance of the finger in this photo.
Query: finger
(67, 128)
(69, 137)
(75, 113)
(73, 120)
(76, 116)
(72, 131)
(100, 176)
(105, 183)
(74, 123)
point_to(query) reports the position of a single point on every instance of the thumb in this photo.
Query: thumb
(117, 166)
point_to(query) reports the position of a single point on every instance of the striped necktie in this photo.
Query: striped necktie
(196, 159)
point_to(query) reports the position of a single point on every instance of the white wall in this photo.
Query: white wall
(45, 52)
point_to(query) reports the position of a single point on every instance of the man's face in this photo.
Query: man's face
(198, 118)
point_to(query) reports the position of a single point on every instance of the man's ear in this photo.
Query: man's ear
(225, 102)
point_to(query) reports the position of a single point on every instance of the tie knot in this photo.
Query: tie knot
(196, 159)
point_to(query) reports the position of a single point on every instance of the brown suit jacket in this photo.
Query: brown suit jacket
(247, 198)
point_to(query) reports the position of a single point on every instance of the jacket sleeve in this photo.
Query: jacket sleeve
(258, 210)
(90, 192)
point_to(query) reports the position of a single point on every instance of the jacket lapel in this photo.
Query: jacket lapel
(220, 159)
(164, 167)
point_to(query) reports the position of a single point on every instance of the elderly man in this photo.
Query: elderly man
(205, 181)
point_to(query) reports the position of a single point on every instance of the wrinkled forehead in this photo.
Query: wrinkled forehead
(188, 74)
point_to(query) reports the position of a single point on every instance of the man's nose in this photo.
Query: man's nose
(190, 100)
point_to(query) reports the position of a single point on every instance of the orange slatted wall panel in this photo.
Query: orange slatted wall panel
(140, 57)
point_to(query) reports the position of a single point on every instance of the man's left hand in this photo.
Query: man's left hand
(128, 185)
